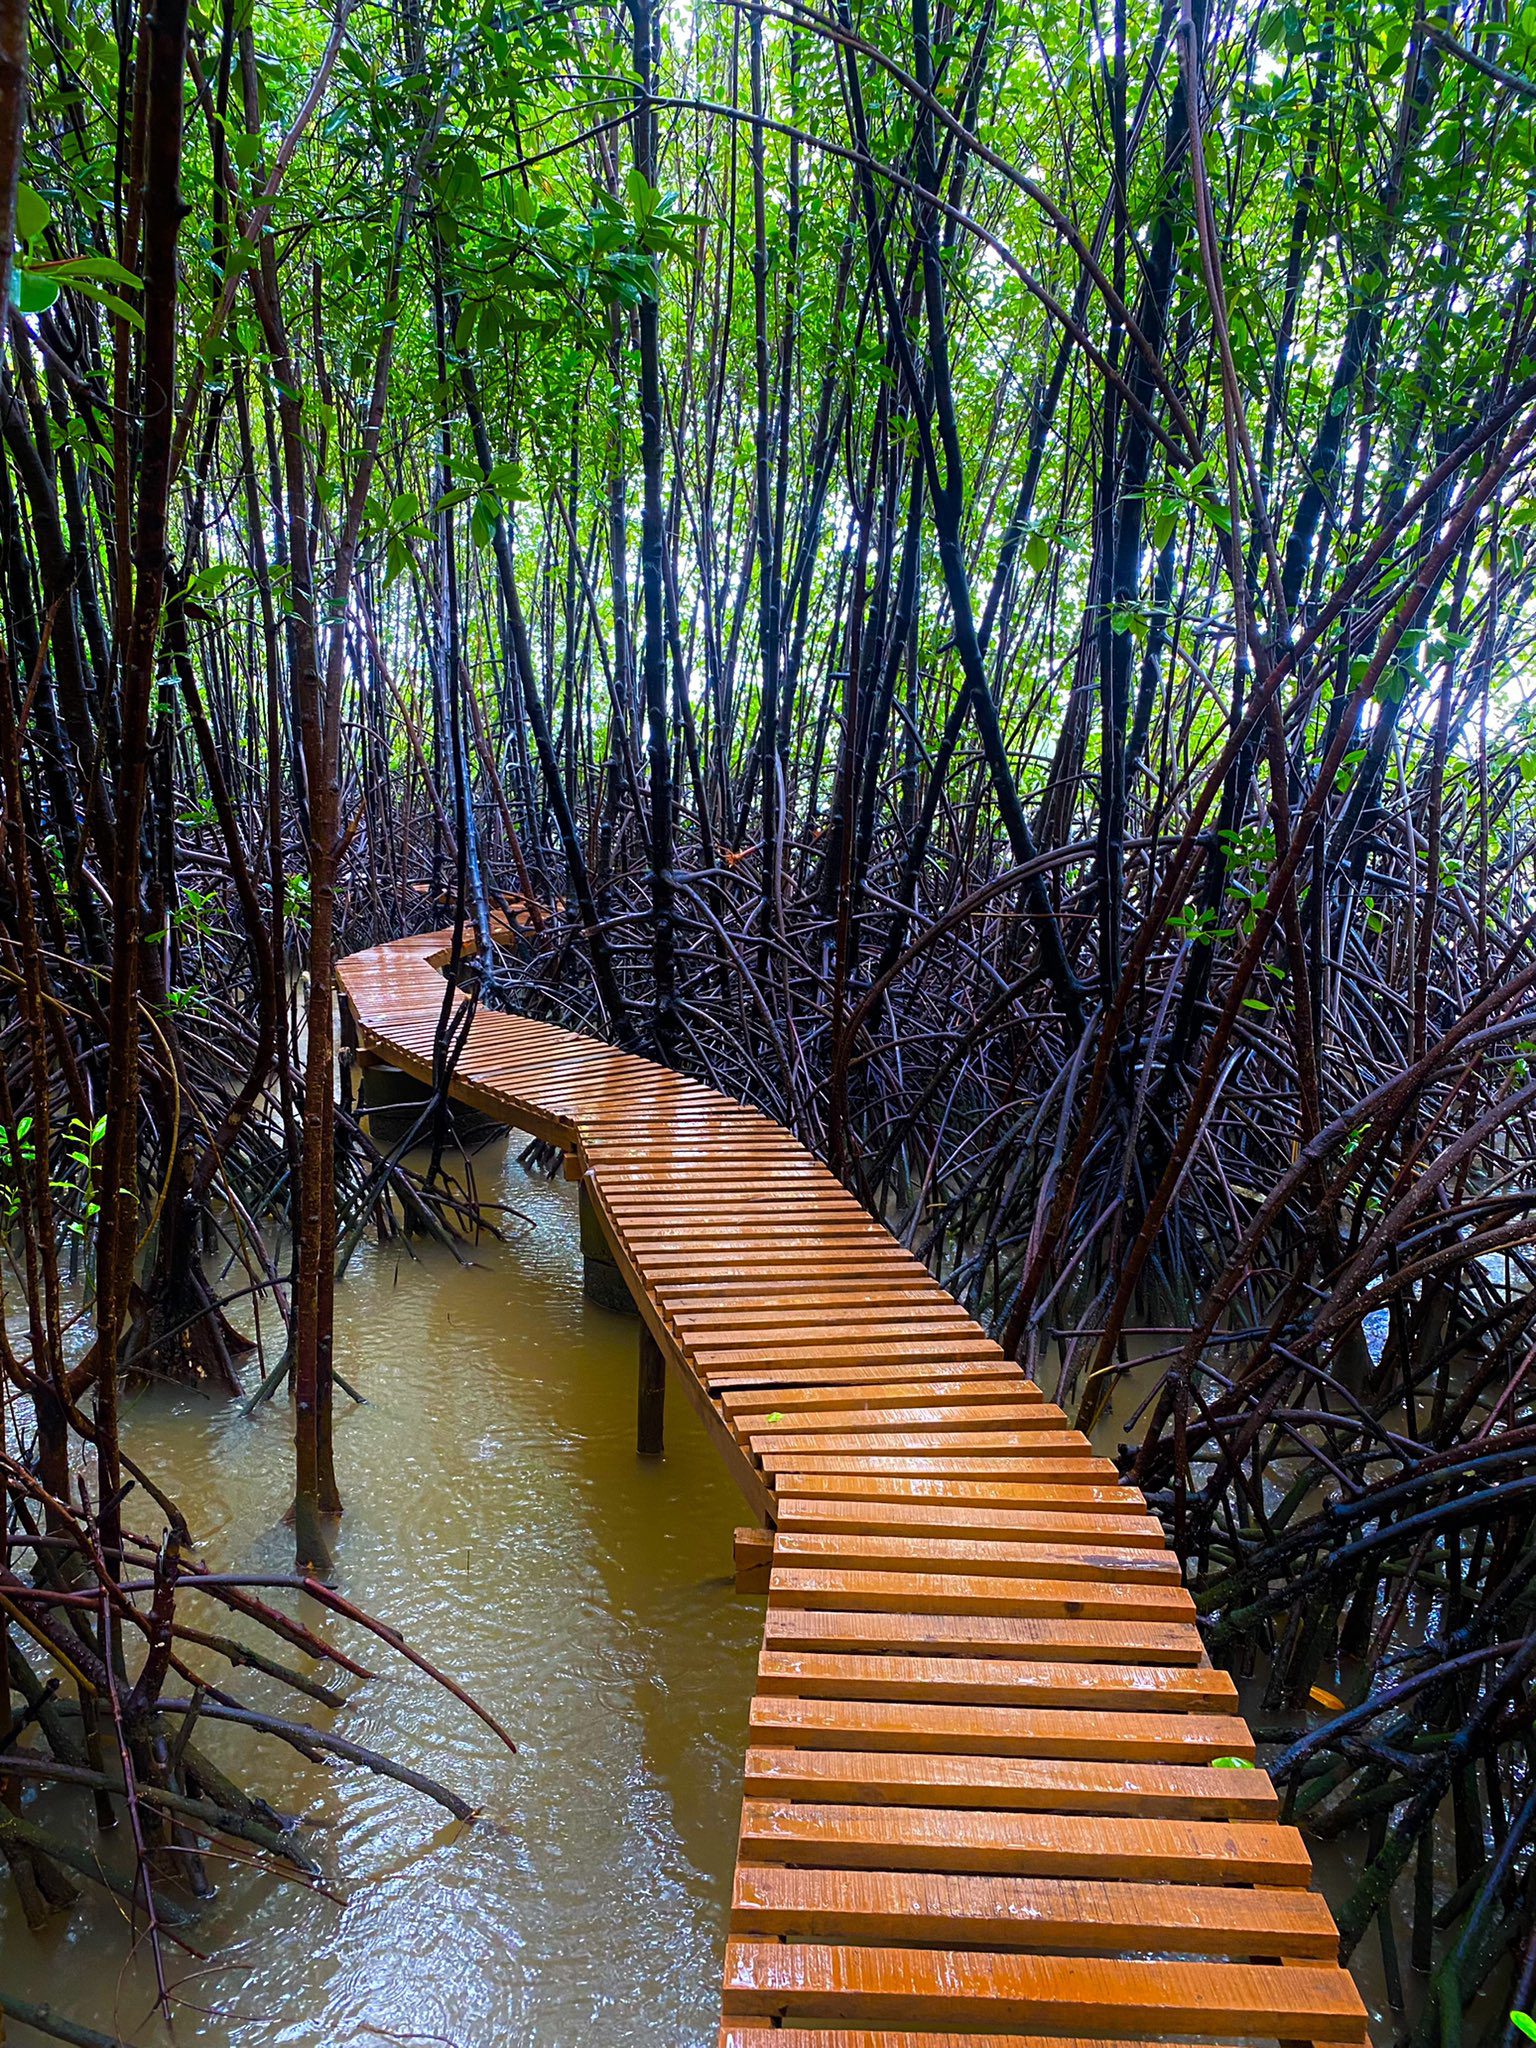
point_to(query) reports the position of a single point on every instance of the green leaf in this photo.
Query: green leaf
(112, 302)
(213, 578)
(107, 268)
(643, 198)
(1232, 1763)
(33, 294)
(1523, 2024)
(33, 213)
(1037, 553)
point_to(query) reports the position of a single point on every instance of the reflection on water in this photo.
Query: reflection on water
(497, 1513)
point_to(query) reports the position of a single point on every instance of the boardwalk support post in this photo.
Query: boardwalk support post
(391, 1101)
(601, 1280)
(653, 1394)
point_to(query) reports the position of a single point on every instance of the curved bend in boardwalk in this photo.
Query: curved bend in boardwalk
(983, 1804)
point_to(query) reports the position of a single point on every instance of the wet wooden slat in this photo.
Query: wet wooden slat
(1096, 1556)
(982, 1635)
(1067, 1520)
(1009, 1784)
(971, 1729)
(1095, 1598)
(995, 1682)
(960, 1988)
(748, 2036)
(827, 1835)
(1053, 1914)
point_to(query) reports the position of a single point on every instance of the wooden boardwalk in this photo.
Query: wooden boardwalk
(984, 1804)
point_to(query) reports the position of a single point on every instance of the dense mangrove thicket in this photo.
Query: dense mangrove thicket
(964, 573)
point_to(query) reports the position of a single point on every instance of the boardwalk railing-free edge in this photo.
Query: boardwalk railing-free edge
(983, 1798)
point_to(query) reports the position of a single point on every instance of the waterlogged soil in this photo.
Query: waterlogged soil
(498, 1515)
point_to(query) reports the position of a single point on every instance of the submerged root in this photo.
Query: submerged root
(178, 1332)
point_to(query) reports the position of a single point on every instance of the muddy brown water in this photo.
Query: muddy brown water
(498, 1514)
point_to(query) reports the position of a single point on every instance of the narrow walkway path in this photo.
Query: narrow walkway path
(983, 1798)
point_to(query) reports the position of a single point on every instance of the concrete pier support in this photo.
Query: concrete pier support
(394, 1101)
(601, 1280)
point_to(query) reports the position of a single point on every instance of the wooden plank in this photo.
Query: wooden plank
(843, 1837)
(1063, 1458)
(970, 1555)
(795, 1312)
(639, 1162)
(906, 1281)
(904, 1372)
(930, 1442)
(956, 1988)
(982, 1519)
(983, 1386)
(759, 1192)
(709, 1174)
(916, 1410)
(732, 1217)
(1078, 1733)
(618, 1090)
(959, 1593)
(706, 1191)
(740, 1131)
(861, 1258)
(538, 1071)
(856, 1348)
(893, 1333)
(793, 1227)
(752, 1557)
(1014, 1636)
(839, 1250)
(748, 1233)
(734, 2034)
(1080, 1490)
(607, 1077)
(1055, 1914)
(1026, 1784)
(760, 1187)
(996, 1681)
